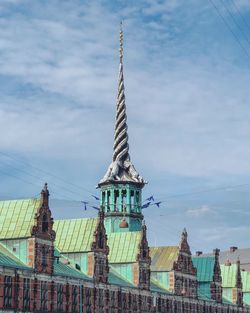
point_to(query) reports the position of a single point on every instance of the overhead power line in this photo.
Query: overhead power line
(241, 15)
(92, 203)
(204, 191)
(45, 172)
(235, 22)
(230, 29)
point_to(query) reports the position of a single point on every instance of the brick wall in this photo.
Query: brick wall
(135, 300)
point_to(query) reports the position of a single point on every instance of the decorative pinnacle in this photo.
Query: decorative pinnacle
(45, 195)
(121, 43)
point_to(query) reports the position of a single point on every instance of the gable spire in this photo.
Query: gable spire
(121, 168)
(237, 291)
(238, 275)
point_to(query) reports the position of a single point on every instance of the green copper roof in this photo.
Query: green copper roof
(227, 295)
(17, 218)
(246, 299)
(228, 274)
(245, 276)
(204, 292)
(162, 258)
(156, 286)
(75, 235)
(205, 268)
(124, 247)
(61, 269)
(8, 259)
(116, 279)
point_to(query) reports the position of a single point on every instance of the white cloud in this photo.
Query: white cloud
(199, 212)
(187, 91)
(188, 106)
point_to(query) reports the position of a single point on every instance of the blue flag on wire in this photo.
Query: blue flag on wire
(85, 205)
(95, 207)
(157, 204)
(146, 205)
(97, 198)
(151, 198)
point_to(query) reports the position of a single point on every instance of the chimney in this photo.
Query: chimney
(233, 249)
(198, 253)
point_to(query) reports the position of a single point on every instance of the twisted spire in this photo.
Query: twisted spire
(121, 168)
(121, 146)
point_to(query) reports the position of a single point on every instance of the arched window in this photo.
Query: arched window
(100, 241)
(137, 200)
(44, 258)
(45, 224)
(108, 201)
(132, 200)
(124, 193)
(116, 204)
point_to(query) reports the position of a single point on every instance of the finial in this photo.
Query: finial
(184, 232)
(101, 213)
(121, 42)
(228, 263)
(45, 195)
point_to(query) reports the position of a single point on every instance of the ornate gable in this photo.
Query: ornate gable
(216, 285)
(237, 291)
(185, 282)
(144, 261)
(43, 236)
(43, 227)
(100, 251)
(217, 271)
(184, 262)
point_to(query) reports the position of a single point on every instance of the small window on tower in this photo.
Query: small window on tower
(44, 258)
(103, 197)
(137, 200)
(124, 200)
(45, 225)
(100, 241)
(116, 204)
(132, 199)
(108, 204)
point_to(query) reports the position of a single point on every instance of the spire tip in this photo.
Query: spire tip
(121, 42)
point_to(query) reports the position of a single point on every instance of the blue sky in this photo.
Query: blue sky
(187, 94)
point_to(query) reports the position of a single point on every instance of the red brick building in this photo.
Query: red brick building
(102, 265)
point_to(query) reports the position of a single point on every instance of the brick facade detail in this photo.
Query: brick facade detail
(43, 237)
(100, 251)
(144, 261)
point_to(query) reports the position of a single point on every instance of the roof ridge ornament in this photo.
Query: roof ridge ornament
(121, 169)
